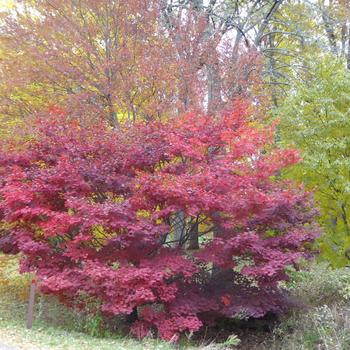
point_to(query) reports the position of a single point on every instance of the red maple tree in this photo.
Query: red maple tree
(92, 211)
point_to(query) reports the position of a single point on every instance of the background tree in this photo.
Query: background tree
(99, 54)
(312, 94)
(316, 120)
(101, 58)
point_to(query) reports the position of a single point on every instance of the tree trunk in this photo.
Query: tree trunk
(344, 35)
(272, 73)
(178, 223)
(330, 32)
(193, 242)
(133, 316)
(266, 21)
(214, 88)
(113, 120)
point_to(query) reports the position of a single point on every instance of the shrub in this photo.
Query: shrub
(110, 216)
(320, 284)
(324, 327)
(323, 323)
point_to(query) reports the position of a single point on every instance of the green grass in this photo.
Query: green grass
(44, 337)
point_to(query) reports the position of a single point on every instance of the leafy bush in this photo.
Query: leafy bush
(55, 327)
(174, 224)
(324, 327)
(319, 284)
(324, 322)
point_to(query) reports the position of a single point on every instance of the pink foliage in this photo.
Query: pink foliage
(91, 210)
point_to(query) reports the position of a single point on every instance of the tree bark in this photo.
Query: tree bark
(178, 223)
(329, 32)
(113, 120)
(193, 242)
(214, 88)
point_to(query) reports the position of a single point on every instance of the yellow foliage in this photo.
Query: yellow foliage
(13, 284)
(143, 214)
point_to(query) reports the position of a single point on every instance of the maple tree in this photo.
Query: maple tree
(90, 209)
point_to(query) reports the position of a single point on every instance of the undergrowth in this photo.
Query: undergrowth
(56, 327)
(322, 323)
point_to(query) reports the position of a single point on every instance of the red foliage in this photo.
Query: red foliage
(91, 210)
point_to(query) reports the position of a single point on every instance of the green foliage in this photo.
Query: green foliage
(232, 340)
(16, 286)
(94, 326)
(325, 327)
(324, 322)
(319, 284)
(316, 119)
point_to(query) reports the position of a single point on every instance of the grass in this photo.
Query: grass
(322, 328)
(43, 337)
